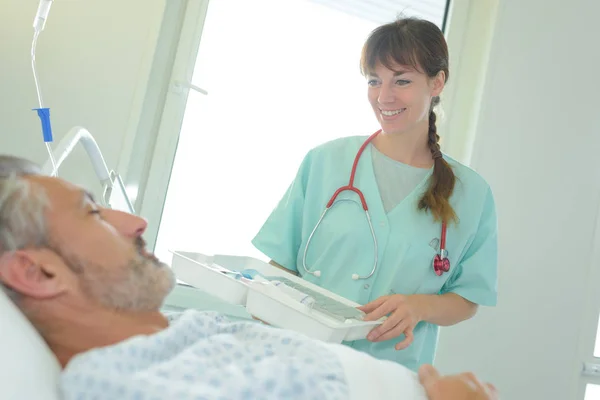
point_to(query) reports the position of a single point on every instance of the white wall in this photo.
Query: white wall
(93, 61)
(538, 143)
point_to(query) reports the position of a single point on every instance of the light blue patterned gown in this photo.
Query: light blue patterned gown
(204, 356)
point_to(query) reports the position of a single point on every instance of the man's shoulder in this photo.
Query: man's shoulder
(172, 315)
(191, 315)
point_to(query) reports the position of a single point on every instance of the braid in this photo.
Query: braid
(433, 138)
(441, 184)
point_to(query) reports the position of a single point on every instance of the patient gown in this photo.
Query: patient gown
(202, 355)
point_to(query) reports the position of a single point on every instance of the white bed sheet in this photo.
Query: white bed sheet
(369, 378)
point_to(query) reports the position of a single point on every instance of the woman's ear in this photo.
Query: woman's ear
(30, 274)
(439, 81)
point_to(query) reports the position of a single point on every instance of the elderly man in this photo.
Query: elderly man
(80, 273)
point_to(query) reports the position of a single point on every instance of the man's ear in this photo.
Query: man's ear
(26, 273)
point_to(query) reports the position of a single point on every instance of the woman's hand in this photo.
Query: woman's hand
(403, 315)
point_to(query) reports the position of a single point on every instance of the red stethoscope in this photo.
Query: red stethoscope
(441, 263)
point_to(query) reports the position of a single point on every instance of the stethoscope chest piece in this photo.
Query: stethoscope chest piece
(441, 263)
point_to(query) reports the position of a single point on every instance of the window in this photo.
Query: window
(281, 78)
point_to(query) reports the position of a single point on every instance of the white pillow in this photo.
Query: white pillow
(28, 369)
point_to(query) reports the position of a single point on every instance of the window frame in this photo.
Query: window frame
(152, 200)
(591, 319)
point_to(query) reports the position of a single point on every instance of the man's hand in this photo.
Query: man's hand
(456, 387)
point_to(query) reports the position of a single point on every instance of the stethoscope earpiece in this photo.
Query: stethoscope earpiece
(317, 273)
(355, 277)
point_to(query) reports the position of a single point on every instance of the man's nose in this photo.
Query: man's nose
(141, 225)
(128, 224)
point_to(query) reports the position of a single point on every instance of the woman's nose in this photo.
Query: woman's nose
(386, 95)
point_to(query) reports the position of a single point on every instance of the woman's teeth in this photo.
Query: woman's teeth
(390, 113)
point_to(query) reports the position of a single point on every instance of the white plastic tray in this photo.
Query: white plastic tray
(199, 270)
(271, 306)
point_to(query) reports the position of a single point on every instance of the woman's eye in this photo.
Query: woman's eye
(372, 82)
(402, 82)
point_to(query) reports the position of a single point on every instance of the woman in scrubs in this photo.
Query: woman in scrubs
(421, 203)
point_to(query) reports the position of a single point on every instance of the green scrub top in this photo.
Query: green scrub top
(407, 238)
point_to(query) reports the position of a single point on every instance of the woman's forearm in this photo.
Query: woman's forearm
(445, 309)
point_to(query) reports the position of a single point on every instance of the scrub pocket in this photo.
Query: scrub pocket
(415, 274)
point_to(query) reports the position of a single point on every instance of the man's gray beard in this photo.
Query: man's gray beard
(140, 286)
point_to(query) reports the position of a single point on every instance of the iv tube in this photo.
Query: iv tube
(38, 25)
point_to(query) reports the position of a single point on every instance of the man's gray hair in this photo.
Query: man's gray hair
(22, 208)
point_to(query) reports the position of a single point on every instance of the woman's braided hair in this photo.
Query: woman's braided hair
(419, 44)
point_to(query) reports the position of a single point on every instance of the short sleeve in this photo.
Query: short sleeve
(281, 235)
(476, 278)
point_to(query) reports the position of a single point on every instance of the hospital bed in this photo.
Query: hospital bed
(28, 369)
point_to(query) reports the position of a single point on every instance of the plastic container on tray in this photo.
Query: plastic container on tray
(209, 274)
